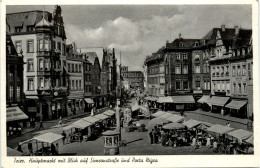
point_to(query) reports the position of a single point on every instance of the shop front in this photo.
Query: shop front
(15, 119)
(184, 102)
(89, 103)
(218, 103)
(238, 108)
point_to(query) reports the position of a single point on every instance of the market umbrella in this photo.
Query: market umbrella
(250, 140)
(240, 134)
(13, 152)
(157, 121)
(174, 126)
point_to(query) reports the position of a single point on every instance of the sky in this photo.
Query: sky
(137, 31)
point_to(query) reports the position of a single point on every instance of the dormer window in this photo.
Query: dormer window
(238, 52)
(243, 51)
(196, 44)
(29, 28)
(18, 29)
(180, 44)
(234, 53)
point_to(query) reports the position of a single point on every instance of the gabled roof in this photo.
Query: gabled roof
(91, 56)
(242, 39)
(187, 43)
(43, 23)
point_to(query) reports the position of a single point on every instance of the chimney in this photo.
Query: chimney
(223, 27)
(179, 35)
(236, 30)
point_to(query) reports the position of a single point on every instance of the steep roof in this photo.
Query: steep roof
(26, 19)
(242, 39)
(187, 43)
(91, 56)
(43, 23)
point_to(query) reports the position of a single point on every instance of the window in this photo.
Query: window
(41, 64)
(239, 88)
(238, 70)
(196, 44)
(46, 44)
(59, 46)
(72, 68)
(79, 84)
(41, 82)
(46, 64)
(234, 71)
(213, 71)
(197, 84)
(244, 87)
(18, 29)
(29, 28)
(205, 85)
(178, 56)
(30, 46)
(208, 85)
(205, 68)
(218, 86)
(197, 56)
(63, 49)
(178, 69)
(185, 85)
(73, 88)
(181, 44)
(41, 44)
(238, 52)
(217, 71)
(184, 56)
(68, 67)
(243, 51)
(222, 71)
(227, 71)
(30, 65)
(46, 83)
(54, 45)
(197, 69)
(243, 69)
(223, 86)
(185, 69)
(228, 87)
(18, 91)
(214, 87)
(18, 46)
(30, 84)
(178, 85)
(11, 93)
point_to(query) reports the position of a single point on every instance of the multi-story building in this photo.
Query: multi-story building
(74, 60)
(156, 73)
(15, 116)
(41, 37)
(178, 66)
(95, 68)
(135, 78)
(229, 69)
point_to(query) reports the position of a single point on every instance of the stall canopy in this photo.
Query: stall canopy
(183, 99)
(174, 126)
(151, 98)
(91, 119)
(218, 101)
(157, 121)
(167, 99)
(14, 114)
(145, 111)
(135, 107)
(158, 113)
(240, 134)
(192, 123)
(204, 125)
(175, 118)
(13, 152)
(101, 116)
(89, 100)
(48, 137)
(204, 99)
(250, 140)
(81, 124)
(235, 104)
(219, 129)
(109, 112)
(166, 115)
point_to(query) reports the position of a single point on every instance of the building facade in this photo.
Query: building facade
(74, 60)
(41, 37)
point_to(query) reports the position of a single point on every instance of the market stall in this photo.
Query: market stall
(239, 135)
(192, 123)
(156, 122)
(164, 102)
(203, 103)
(176, 118)
(166, 115)
(85, 130)
(219, 129)
(158, 113)
(13, 152)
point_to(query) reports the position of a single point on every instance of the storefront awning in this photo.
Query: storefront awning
(109, 112)
(192, 123)
(48, 137)
(250, 140)
(101, 116)
(204, 99)
(235, 104)
(167, 99)
(14, 114)
(91, 119)
(240, 134)
(218, 101)
(219, 129)
(176, 118)
(81, 124)
(183, 99)
(151, 98)
(158, 113)
(89, 100)
(166, 115)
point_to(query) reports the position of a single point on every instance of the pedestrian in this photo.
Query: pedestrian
(215, 146)
(222, 112)
(53, 149)
(30, 148)
(41, 125)
(228, 124)
(64, 137)
(154, 136)
(208, 142)
(19, 148)
(151, 136)
(194, 141)
(57, 149)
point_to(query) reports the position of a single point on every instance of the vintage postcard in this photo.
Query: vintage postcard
(164, 84)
